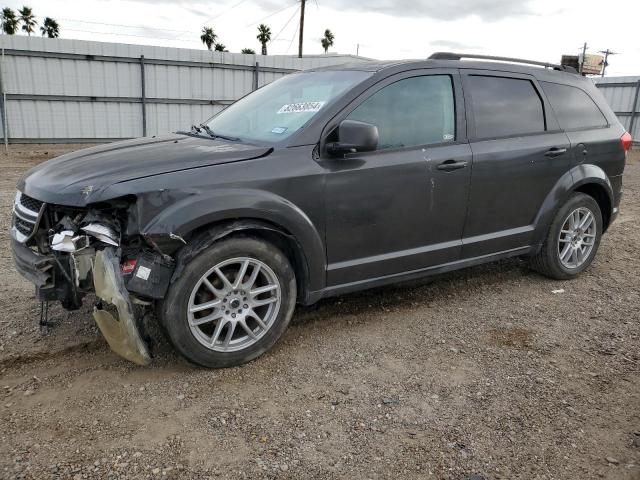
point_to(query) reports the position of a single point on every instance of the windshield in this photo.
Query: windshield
(276, 111)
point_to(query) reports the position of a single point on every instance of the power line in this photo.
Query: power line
(122, 25)
(272, 14)
(127, 35)
(285, 25)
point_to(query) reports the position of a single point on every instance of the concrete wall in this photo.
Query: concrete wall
(60, 90)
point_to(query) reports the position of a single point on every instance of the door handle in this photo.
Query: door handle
(555, 152)
(450, 165)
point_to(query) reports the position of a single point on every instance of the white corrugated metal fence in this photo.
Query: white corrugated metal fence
(60, 90)
(622, 94)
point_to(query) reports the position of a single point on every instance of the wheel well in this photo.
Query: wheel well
(599, 194)
(269, 232)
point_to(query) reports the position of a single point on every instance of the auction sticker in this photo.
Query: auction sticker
(301, 107)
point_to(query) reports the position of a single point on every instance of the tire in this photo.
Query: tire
(549, 261)
(206, 344)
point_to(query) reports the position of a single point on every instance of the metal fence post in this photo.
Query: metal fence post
(256, 69)
(143, 98)
(634, 108)
(5, 127)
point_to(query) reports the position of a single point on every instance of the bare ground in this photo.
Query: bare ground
(483, 371)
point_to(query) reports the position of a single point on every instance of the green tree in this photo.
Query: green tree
(208, 37)
(327, 40)
(220, 47)
(264, 36)
(248, 51)
(28, 20)
(50, 28)
(9, 21)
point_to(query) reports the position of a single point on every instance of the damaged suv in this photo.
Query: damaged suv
(321, 183)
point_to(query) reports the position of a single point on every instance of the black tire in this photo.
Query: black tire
(547, 261)
(173, 309)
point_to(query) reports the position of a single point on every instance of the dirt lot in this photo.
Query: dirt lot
(482, 372)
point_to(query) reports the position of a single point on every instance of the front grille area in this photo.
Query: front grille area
(26, 214)
(22, 226)
(30, 203)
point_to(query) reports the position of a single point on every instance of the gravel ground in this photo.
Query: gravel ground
(483, 372)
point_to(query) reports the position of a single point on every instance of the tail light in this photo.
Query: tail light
(626, 141)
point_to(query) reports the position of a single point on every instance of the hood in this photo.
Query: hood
(77, 178)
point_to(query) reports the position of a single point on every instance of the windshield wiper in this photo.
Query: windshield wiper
(206, 128)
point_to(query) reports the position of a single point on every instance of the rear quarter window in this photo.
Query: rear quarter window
(573, 107)
(504, 107)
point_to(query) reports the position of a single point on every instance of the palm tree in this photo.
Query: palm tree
(9, 21)
(220, 47)
(50, 28)
(327, 40)
(264, 36)
(28, 20)
(208, 37)
(248, 51)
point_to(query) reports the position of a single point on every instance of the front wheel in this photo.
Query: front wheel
(231, 304)
(573, 239)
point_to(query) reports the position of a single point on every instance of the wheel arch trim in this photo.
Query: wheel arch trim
(573, 180)
(223, 212)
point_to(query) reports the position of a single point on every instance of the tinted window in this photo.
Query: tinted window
(573, 107)
(505, 106)
(410, 112)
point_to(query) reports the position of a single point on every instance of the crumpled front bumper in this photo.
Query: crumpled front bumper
(121, 333)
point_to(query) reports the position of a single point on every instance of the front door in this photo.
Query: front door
(400, 208)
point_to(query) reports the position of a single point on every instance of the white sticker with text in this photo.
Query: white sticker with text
(301, 107)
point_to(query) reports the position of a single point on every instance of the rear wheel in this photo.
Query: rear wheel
(573, 239)
(231, 304)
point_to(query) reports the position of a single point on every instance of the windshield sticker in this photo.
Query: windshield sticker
(278, 130)
(447, 136)
(301, 107)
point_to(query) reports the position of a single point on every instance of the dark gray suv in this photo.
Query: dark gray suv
(321, 183)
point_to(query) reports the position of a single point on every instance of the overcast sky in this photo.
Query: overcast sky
(384, 29)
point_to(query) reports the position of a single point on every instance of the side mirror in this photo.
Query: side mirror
(354, 136)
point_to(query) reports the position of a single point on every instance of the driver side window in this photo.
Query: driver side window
(411, 112)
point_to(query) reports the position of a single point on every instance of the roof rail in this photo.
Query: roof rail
(459, 56)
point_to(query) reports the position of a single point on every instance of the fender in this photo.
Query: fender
(204, 208)
(568, 183)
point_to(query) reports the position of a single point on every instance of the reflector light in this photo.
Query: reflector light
(128, 266)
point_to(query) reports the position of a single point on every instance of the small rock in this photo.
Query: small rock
(636, 441)
(284, 467)
(28, 392)
(180, 397)
(559, 290)
(612, 461)
(155, 471)
(390, 400)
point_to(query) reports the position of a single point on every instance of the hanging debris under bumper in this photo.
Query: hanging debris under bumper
(121, 333)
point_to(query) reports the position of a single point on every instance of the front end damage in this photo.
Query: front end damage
(70, 252)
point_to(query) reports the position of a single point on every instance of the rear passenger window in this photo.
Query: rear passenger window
(411, 112)
(573, 107)
(505, 106)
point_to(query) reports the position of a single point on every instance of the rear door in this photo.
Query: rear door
(519, 153)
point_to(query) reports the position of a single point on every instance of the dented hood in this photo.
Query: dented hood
(76, 178)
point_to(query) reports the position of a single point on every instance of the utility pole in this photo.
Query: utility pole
(606, 52)
(584, 52)
(301, 28)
